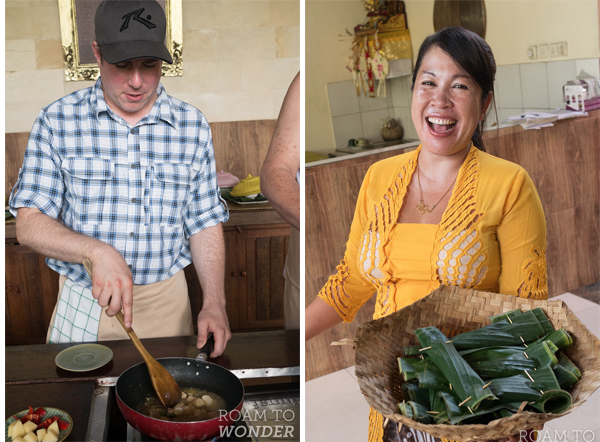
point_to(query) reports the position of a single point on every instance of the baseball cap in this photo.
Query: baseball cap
(130, 29)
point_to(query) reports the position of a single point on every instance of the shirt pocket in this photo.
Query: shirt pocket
(88, 186)
(169, 193)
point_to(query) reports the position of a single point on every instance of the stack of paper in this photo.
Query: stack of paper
(537, 120)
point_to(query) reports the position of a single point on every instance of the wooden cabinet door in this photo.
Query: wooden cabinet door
(31, 293)
(266, 251)
(234, 254)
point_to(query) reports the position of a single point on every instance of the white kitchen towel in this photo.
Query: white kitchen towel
(77, 315)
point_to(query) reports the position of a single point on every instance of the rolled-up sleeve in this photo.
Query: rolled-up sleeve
(205, 208)
(40, 181)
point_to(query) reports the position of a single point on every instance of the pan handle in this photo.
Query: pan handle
(207, 349)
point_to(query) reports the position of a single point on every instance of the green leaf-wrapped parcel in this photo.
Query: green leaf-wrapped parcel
(519, 330)
(467, 385)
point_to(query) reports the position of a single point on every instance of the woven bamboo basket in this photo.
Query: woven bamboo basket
(454, 310)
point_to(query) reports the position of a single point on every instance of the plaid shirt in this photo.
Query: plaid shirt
(143, 189)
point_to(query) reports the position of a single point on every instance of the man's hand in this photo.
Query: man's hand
(112, 283)
(213, 319)
(208, 254)
(111, 280)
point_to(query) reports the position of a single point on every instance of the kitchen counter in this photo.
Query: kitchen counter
(32, 377)
(31, 364)
(384, 152)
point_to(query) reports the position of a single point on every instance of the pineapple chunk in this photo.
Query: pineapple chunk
(54, 428)
(18, 439)
(29, 427)
(50, 437)
(41, 433)
(30, 437)
(18, 430)
(11, 426)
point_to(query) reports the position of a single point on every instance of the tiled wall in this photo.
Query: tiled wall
(356, 116)
(520, 87)
(239, 58)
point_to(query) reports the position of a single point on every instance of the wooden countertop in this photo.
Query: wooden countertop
(34, 364)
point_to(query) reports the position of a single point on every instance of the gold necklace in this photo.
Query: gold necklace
(422, 207)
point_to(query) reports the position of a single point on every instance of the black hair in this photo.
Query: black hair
(470, 52)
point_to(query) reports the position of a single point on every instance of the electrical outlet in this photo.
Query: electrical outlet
(532, 52)
(563, 49)
(554, 50)
(543, 49)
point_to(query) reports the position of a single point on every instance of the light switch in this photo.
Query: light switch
(543, 51)
(532, 52)
(554, 50)
(563, 50)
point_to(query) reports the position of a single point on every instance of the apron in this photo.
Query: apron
(161, 309)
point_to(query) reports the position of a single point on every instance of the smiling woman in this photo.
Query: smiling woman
(468, 219)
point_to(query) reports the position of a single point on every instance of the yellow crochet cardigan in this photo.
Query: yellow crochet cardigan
(492, 237)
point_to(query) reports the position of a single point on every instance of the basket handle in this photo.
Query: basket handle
(345, 341)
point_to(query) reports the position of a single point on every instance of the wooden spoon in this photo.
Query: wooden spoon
(165, 386)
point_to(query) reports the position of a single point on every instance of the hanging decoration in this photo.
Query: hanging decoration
(382, 39)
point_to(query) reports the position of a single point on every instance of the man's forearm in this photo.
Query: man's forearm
(208, 255)
(50, 238)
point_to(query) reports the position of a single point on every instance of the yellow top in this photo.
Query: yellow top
(492, 237)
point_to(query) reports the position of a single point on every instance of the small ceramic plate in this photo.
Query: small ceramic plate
(50, 412)
(84, 357)
(259, 199)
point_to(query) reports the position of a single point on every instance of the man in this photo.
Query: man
(123, 175)
(279, 182)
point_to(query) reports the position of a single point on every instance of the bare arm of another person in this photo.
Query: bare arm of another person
(319, 317)
(112, 283)
(278, 174)
(208, 255)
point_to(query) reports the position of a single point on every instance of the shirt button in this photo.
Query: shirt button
(130, 266)
(134, 131)
(134, 200)
(133, 166)
(132, 234)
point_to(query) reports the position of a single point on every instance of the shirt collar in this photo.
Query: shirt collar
(162, 109)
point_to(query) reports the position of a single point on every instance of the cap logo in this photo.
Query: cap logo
(136, 15)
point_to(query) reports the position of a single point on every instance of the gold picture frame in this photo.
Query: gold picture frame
(77, 32)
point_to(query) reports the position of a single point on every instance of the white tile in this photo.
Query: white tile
(589, 318)
(403, 116)
(329, 387)
(534, 85)
(373, 121)
(343, 99)
(368, 104)
(346, 127)
(345, 419)
(352, 372)
(508, 87)
(559, 72)
(400, 91)
(576, 303)
(590, 66)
